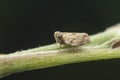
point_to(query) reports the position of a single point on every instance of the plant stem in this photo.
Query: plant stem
(100, 48)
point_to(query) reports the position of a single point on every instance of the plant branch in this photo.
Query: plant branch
(104, 45)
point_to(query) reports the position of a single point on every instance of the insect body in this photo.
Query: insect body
(71, 38)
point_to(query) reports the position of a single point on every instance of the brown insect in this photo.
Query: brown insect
(71, 38)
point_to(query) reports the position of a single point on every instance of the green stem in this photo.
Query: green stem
(100, 48)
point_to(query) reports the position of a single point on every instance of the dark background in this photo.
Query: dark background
(31, 23)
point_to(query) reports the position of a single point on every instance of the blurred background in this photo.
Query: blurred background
(28, 24)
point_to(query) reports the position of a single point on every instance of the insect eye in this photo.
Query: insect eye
(59, 35)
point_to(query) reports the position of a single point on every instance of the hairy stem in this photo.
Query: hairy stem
(104, 45)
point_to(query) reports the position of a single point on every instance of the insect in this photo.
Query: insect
(73, 39)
